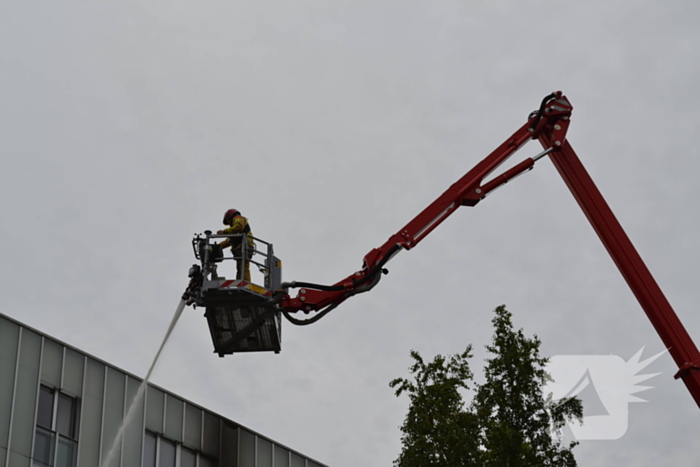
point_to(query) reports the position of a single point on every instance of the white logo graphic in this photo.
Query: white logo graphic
(605, 384)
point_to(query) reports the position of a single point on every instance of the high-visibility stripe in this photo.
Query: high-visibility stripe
(256, 288)
(233, 283)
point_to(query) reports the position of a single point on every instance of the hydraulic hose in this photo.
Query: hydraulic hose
(362, 285)
(310, 285)
(305, 322)
(276, 298)
(356, 283)
(378, 267)
(539, 112)
(331, 307)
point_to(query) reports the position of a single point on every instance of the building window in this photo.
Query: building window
(162, 452)
(55, 441)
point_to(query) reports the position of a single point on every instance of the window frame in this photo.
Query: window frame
(179, 446)
(55, 435)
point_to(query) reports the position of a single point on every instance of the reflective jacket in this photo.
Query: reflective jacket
(240, 225)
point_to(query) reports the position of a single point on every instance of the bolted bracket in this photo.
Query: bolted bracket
(690, 366)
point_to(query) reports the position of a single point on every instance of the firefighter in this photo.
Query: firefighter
(238, 225)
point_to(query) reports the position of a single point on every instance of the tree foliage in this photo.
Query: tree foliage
(437, 430)
(509, 422)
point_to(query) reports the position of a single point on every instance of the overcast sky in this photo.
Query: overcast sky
(126, 127)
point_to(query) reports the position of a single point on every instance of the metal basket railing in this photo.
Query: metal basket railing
(257, 252)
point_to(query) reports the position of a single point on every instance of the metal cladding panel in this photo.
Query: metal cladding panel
(193, 427)
(17, 460)
(263, 450)
(51, 363)
(298, 461)
(3, 455)
(113, 413)
(91, 415)
(73, 373)
(26, 394)
(247, 448)
(155, 398)
(173, 417)
(133, 433)
(281, 457)
(9, 339)
(211, 435)
(229, 446)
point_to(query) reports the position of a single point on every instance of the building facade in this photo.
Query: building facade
(62, 408)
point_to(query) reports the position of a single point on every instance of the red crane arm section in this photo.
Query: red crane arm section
(641, 282)
(466, 191)
(433, 215)
(549, 125)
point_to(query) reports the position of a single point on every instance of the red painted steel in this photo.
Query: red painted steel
(549, 125)
(506, 176)
(648, 293)
(465, 191)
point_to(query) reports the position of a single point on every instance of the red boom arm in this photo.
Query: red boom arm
(548, 125)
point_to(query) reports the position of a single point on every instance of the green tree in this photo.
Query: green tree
(515, 418)
(437, 431)
(509, 422)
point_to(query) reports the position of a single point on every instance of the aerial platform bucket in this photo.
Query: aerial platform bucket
(241, 315)
(241, 320)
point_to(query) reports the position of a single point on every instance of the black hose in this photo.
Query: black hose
(539, 112)
(305, 322)
(328, 288)
(378, 267)
(276, 298)
(356, 283)
(370, 276)
(329, 308)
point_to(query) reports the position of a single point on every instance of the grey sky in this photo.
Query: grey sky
(125, 127)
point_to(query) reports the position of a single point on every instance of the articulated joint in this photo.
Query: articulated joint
(555, 109)
(688, 366)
